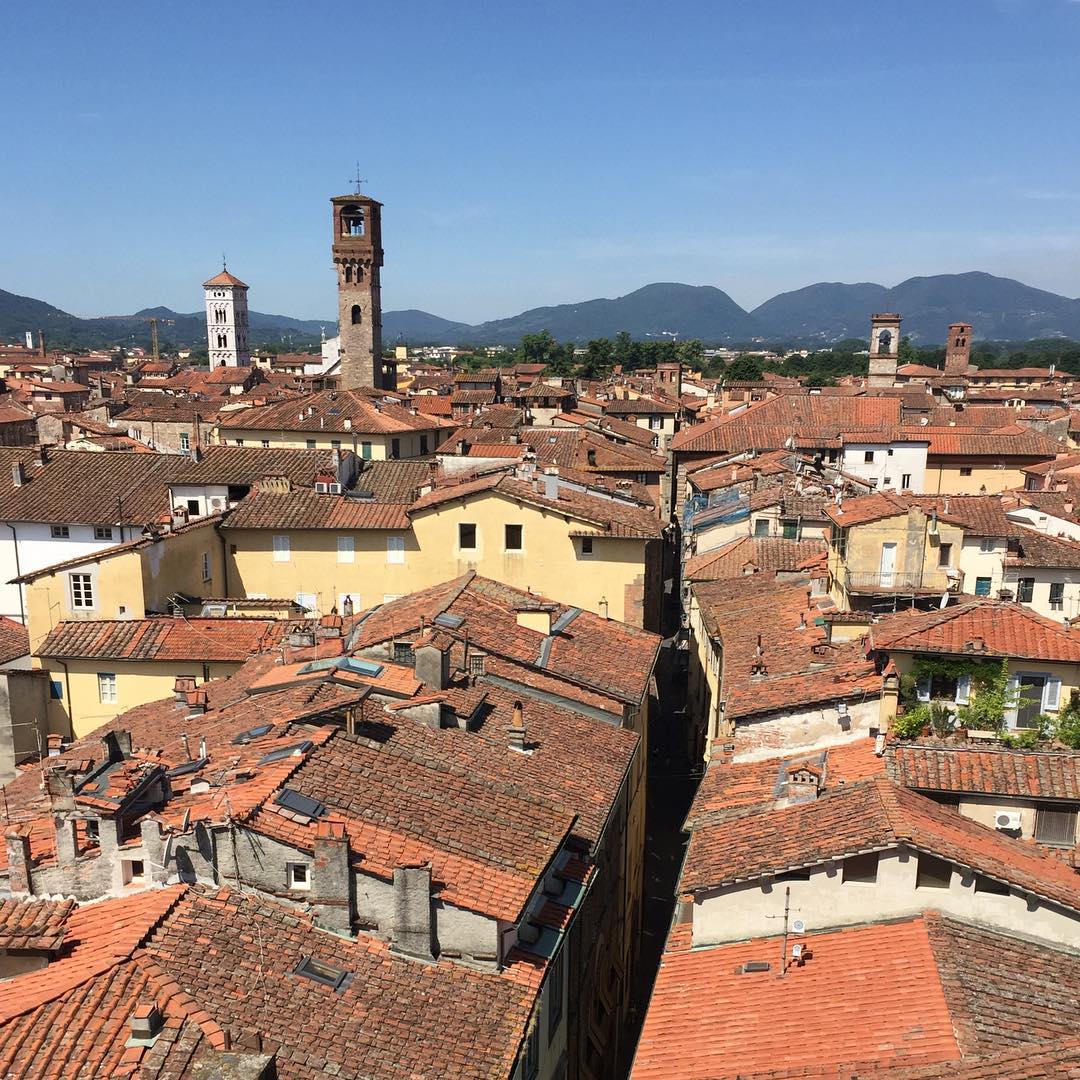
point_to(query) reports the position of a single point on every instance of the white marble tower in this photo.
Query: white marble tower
(227, 320)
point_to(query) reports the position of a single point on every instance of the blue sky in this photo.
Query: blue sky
(535, 152)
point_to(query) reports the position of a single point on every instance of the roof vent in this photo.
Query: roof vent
(753, 966)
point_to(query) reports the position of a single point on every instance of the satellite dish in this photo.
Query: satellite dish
(798, 927)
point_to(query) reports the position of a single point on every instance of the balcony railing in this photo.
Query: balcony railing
(876, 581)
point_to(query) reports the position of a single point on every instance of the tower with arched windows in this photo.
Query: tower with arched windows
(884, 348)
(358, 257)
(226, 320)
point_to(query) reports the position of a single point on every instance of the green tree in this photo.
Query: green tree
(743, 369)
(601, 356)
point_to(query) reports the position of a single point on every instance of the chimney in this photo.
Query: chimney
(551, 485)
(411, 932)
(41, 454)
(186, 744)
(41, 343)
(116, 745)
(197, 702)
(183, 686)
(60, 786)
(432, 666)
(18, 473)
(145, 1021)
(517, 729)
(603, 605)
(55, 743)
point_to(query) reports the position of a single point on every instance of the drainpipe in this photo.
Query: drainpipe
(18, 572)
(70, 703)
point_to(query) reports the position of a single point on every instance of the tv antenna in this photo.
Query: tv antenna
(358, 180)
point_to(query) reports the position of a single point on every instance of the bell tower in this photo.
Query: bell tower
(226, 320)
(358, 257)
(884, 348)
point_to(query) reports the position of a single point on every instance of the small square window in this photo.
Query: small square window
(335, 444)
(185, 441)
(965, 470)
(932, 873)
(476, 664)
(334, 977)
(310, 444)
(60, 532)
(1057, 595)
(133, 871)
(239, 442)
(403, 653)
(102, 532)
(467, 537)
(868, 456)
(988, 543)
(761, 527)
(56, 690)
(586, 545)
(1025, 590)
(514, 538)
(299, 878)
(861, 869)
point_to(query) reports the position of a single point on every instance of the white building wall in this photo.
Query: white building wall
(891, 463)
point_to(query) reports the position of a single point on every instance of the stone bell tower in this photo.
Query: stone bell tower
(884, 348)
(358, 257)
(958, 347)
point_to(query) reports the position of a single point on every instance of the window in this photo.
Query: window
(941, 687)
(298, 876)
(789, 529)
(133, 871)
(467, 537)
(982, 586)
(1057, 595)
(82, 591)
(586, 545)
(965, 471)
(309, 443)
(933, 873)
(656, 423)
(395, 549)
(335, 444)
(395, 448)
(346, 549)
(307, 600)
(239, 442)
(944, 555)
(989, 885)
(206, 566)
(988, 544)
(761, 527)
(423, 444)
(102, 532)
(513, 540)
(185, 441)
(326, 974)
(282, 550)
(476, 664)
(403, 653)
(365, 451)
(868, 457)
(193, 507)
(1055, 824)
(60, 532)
(356, 315)
(266, 444)
(905, 481)
(643, 478)
(861, 869)
(555, 995)
(1036, 694)
(56, 690)
(1025, 589)
(531, 1066)
(106, 688)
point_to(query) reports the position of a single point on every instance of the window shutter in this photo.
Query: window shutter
(963, 689)
(1013, 695)
(922, 688)
(1052, 694)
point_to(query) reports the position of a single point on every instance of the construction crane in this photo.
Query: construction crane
(153, 321)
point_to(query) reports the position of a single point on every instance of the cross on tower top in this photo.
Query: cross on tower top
(358, 180)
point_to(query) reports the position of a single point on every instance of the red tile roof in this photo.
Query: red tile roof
(225, 278)
(986, 628)
(358, 412)
(38, 925)
(162, 639)
(749, 555)
(14, 640)
(310, 510)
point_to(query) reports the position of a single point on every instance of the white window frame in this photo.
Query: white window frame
(103, 532)
(206, 575)
(282, 548)
(299, 886)
(346, 549)
(308, 600)
(60, 532)
(395, 549)
(106, 682)
(82, 595)
(185, 441)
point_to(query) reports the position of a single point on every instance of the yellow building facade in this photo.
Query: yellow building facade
(370, 446)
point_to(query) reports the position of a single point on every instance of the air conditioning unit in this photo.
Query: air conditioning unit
(1007, 820)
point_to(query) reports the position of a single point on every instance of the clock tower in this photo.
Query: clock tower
(358, 258)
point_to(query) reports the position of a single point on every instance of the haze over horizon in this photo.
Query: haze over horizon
(538, 155)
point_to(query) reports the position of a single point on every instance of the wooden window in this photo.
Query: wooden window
(1056, 824)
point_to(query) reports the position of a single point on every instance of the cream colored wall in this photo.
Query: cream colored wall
(826, 900)
(550, 564)
(703, 681)
(943, 477)
(985, 810)
(381, 445)
(176, 565)
(137, 682)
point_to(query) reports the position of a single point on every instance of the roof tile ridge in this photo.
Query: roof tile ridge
(177, 1001)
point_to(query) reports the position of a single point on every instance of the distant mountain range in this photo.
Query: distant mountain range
(998, 308)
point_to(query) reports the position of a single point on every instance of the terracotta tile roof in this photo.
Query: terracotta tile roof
(310, 510)
(393, 481)
(88, 487)
(1056, 1061)
(539, 390)
(1025, 774)
(642, 406)
(245, 465)
(432, 404)
(871, 815)
(749, 554)
(768, 425)
(800, 667)
(1030, 548)
(14, 640)
(954, 442)
(977, 628)
(225, 278)
(162, 639)
(775, 1026)
(38, 925)
(358, 412)
(588, 651)
(732, 786)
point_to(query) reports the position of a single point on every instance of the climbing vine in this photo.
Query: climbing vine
(991, 698)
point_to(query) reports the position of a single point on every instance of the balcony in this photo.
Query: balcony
(900, 581)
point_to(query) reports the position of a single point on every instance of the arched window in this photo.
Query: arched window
(222, 341)
(352, 221)
(884, 341)
(348, 273)
(356, 315)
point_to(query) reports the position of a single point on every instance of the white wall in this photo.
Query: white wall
(891, 462)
